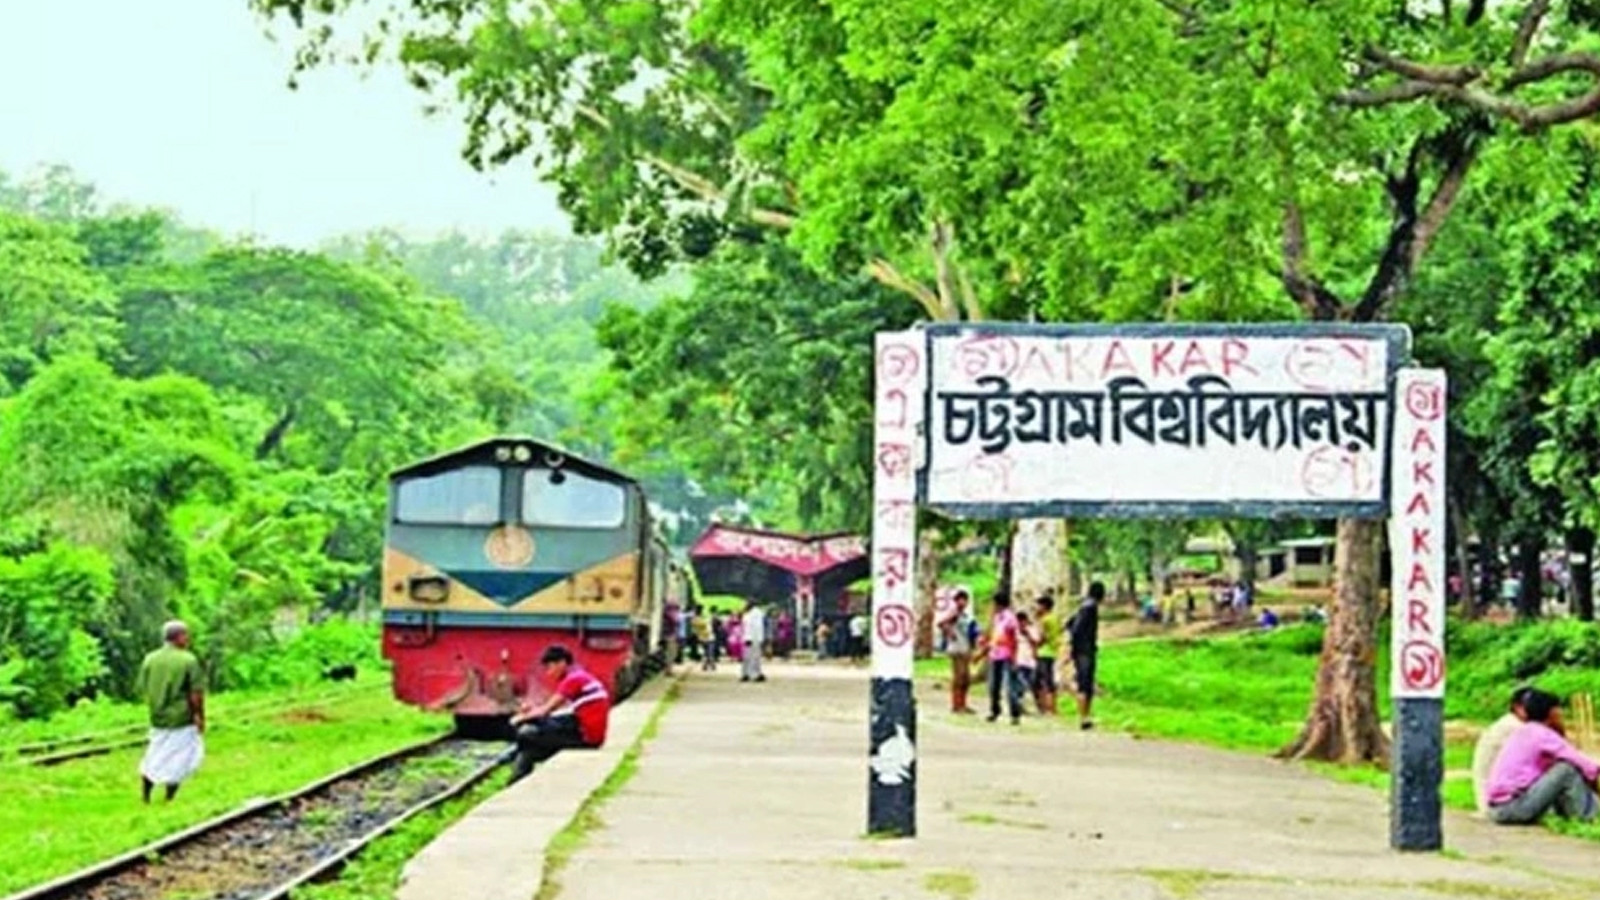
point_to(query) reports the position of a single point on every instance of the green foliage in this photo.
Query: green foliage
(51, 302)
(48, 602)
(713, 382)
(302, 658)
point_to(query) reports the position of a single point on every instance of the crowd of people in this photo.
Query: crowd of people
(1524, 767)
(1019, 651)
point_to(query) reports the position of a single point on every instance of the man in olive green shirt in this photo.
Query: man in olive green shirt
(173, 687)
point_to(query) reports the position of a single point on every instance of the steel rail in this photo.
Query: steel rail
(74, 884)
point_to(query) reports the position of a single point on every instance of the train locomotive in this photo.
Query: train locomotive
(497, 550)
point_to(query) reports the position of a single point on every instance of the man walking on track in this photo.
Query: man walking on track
(173, 687)
(576, 715)
(753, 629)
(1085, 631)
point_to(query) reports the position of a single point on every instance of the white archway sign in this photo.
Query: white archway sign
(1011, 420)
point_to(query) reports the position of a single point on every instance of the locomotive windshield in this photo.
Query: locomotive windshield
(571, 500)
(467, 496)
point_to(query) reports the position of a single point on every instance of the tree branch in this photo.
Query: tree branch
(1319, 303)
(939, 242)
(1442, 202)
(691, 181)
(1413, 232)
(1452, 74)
(1463, 84)
(1527, 26)
(884, 272)
(969, 297)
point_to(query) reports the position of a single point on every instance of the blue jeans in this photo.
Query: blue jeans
(1004, 672)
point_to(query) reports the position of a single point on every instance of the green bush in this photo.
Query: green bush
(1487, 661)
(304, 656)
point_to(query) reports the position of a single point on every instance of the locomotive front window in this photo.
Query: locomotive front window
(466, 496)
(558, 499)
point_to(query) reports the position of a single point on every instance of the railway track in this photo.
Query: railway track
(265, 850)
(66, 749)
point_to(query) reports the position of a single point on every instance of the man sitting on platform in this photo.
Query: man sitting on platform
(574, 716)
(1538, 771)
(1490, 744)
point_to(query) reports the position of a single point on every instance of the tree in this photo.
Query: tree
(1544, 357)
(713, 378)
(51, 302)
(1259, 158)
(339, 351)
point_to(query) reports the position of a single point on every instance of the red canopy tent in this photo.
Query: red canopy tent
(805, 574)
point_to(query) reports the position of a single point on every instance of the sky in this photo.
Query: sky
(182, 104)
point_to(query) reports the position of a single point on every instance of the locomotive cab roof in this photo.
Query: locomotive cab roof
(513, 451)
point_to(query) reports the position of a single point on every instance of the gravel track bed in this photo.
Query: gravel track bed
(249, 858)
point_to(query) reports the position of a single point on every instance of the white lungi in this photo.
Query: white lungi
(174, 754)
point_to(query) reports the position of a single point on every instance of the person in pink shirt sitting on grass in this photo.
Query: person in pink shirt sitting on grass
(1538, 771)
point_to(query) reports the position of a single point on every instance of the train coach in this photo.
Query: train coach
(497, 550)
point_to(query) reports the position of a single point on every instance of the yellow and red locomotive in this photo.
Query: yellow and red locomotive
(497, 550)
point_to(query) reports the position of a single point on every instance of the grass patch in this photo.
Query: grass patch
(65, 817)
(871, 865)
(105, 717)
(991, 819)
(569, 840)
(955, 885)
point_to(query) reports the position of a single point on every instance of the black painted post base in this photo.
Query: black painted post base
(1416, 774)
(892, 764)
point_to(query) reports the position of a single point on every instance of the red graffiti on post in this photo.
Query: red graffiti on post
(1421, 665)
(895, 625)
(1425, 401)
(894, 460)
(894, 567)
(898, 364)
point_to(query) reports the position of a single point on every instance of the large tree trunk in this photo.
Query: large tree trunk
(1004, 582)
(1039, 560)
(1580, 558)
(1247, 554)
(1460, 535)
(1343, 724)
(274, 436)
(927, 590)
(1160, 586)
(1530, 602)
(1488, 567)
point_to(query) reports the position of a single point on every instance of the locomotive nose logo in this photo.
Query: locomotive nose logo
(509, 547)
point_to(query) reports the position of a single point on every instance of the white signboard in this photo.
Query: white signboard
(1159, 420)
(1417, 535)
(900, 381)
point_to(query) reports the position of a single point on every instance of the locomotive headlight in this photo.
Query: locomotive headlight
(524, 454)
(502, 454)
(429, 588)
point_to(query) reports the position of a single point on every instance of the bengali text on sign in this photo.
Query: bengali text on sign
(1186, 416)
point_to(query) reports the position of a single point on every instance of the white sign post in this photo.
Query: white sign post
(899, 387)
(1417, 603)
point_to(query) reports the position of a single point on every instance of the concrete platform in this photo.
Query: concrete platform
(759, 790)
(497, 852)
